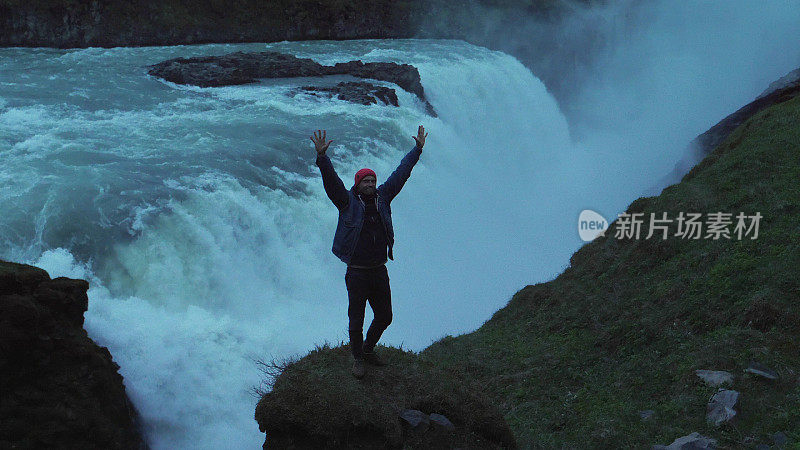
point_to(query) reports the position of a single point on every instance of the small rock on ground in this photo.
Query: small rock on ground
(720, 407)
(761, 370)
(694, 441)
(715, 377)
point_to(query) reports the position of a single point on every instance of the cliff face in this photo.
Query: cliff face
(104, 23)
(58, 389)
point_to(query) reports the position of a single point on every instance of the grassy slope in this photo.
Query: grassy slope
(573, 360)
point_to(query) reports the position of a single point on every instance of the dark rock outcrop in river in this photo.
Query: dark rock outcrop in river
(58, 389)
(242, 68)
(356, 92)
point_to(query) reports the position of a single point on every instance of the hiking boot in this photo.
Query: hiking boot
(373, 359)
(358, 368)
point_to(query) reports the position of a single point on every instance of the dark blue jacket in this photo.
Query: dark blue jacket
(351, 207)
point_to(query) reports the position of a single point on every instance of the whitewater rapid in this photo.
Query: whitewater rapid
(199, 218)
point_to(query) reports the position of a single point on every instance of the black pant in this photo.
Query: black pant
(367, 285)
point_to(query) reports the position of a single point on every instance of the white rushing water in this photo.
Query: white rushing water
(199, 217)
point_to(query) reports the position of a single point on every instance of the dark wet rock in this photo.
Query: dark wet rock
(59, 388)
(234, 68)
(694, 441)
(715, 378)
(358, 92)
(761, 370)
(20, 278)
(720, 407)
(242, 68)
(404, 75)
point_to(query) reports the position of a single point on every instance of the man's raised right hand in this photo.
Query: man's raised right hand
(319, 142)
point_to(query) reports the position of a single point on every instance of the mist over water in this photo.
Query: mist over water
(673, 70)
(199, 217)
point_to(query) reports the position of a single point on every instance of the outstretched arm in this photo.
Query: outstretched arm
(398, 178)
(330, 180)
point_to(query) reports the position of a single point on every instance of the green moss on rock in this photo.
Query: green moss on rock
(317, 403)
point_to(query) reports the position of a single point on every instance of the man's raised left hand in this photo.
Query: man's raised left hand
(420, 137)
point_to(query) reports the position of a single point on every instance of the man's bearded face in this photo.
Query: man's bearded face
(366, 186)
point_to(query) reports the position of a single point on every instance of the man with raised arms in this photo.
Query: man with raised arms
(364, 238)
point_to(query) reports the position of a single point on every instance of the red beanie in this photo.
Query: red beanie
(362, 173)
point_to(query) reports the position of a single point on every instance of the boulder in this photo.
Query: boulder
(720, 407)
(59, 388)
(234, 68)
(357, 92)
(404, 75)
